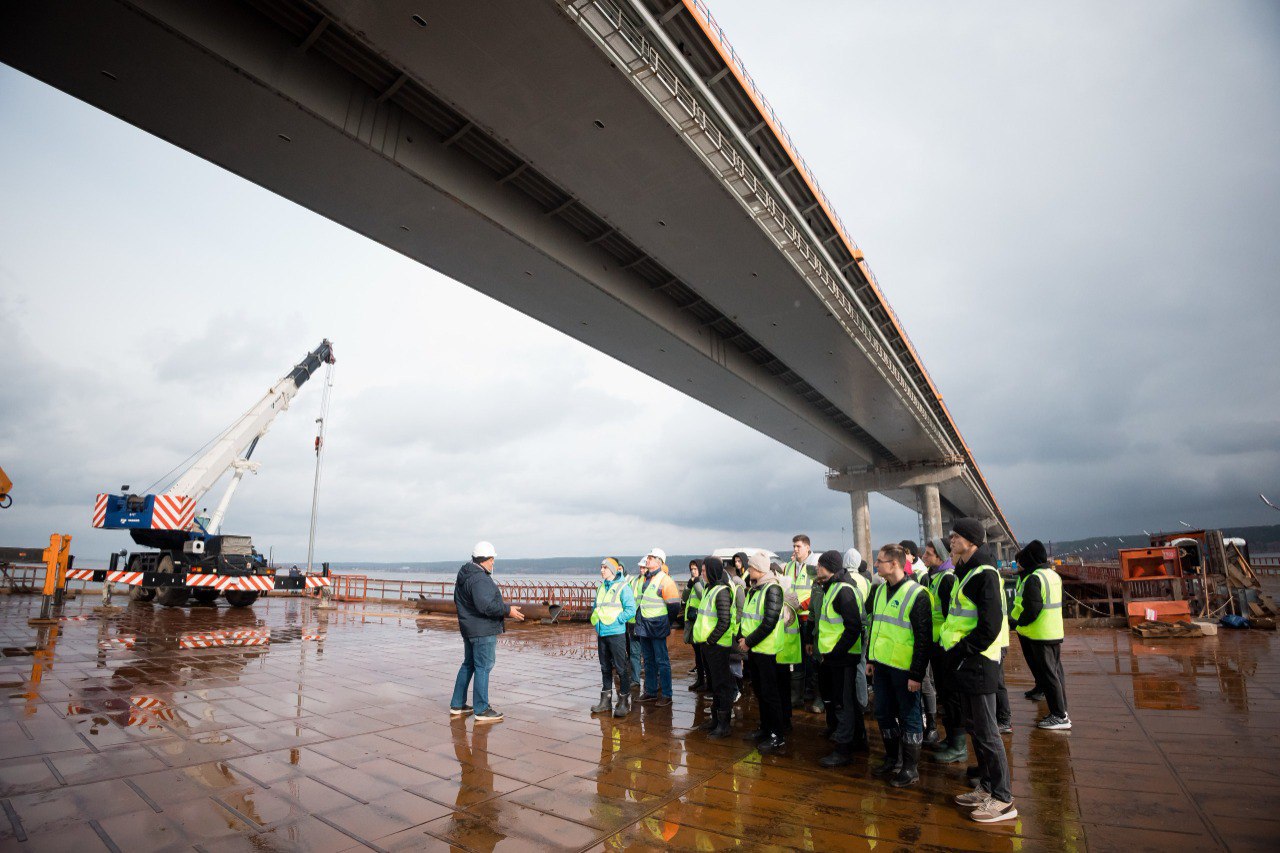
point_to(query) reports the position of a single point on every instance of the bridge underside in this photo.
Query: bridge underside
(496, 143)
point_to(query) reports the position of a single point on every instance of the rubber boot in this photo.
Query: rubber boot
(605, 704)
(839, 757)
(623, 706)
(698, 686)
(954, 749)
(722, 725)
(907, 774)
(892, 755)
(932, 740)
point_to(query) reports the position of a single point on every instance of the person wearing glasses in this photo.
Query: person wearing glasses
(901, 635)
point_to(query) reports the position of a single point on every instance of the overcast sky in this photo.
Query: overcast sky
(1074, 208)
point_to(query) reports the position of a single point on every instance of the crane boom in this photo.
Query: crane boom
(226, 450)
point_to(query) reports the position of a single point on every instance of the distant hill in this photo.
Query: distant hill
(1262, 540)
(679, 564)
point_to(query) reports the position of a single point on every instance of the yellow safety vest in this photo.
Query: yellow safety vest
(634, 583)
(831, 624)
(962, 617)
(753, 616)
(801, 583)
(892, 641)
(1048, 625)
(935, 600)
(650, 602)
(707, 617)
(608, 604)
(860, 583)
(695, 598)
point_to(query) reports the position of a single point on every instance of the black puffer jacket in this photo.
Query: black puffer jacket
(773, 598)
(479, 602)
(846, 605)
(716, 575)
(973, 672)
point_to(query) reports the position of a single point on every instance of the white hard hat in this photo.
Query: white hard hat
(483, 550)
(659, 553)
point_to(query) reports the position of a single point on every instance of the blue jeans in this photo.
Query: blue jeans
(478, 657)
(657, 665)
(897, 708)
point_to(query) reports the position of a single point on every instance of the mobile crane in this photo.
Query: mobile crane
(192, 556)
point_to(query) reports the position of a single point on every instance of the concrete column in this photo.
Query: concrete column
(861, 525)
(930, 510)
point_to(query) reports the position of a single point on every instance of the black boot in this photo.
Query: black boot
(756, 735)
(907, 774)
(623, 705)
(839, 757)
(932, 740)
(605, 704)
(698, 686)
(722, 725)
(892, 754)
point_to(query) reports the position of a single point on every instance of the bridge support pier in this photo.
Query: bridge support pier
(861, 524)
(930, 511)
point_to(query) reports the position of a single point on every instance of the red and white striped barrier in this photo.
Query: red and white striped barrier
(79, 574)
(219, 639)
(117, 643)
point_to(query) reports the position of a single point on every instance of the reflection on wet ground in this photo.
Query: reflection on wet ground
(283, 727)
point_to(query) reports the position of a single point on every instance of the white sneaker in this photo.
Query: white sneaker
(1055, 723)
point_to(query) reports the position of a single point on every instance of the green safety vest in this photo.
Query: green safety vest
(753, 616)
(1048, 625)
(695, 598)
(608, 604)
(892, 642)
(801, 583)
(935, 601)
(860, 583)
(634, 583)
(1004, 610)
(831, 623)
(650, 602)
(962, 618)
(707, 617)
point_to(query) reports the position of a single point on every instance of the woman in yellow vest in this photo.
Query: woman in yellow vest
(692, 597)
(901, 634)
(614, 605)
(763, 631)
(1037, 617)
(715, 629)
(972, 643)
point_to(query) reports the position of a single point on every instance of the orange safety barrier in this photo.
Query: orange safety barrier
(350, 587)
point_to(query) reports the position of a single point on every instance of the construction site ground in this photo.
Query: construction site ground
(286, 727)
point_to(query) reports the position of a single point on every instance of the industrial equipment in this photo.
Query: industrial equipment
(192, 556)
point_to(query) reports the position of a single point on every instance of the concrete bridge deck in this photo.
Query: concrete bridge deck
(283, 727)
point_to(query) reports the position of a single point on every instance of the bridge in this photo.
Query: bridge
(608, 167)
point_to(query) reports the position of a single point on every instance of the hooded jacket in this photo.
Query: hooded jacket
(973, 672)
(479, 602)
(716, 574)
(1029, 559)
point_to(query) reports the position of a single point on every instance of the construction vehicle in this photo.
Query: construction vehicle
(192, 557)
(5, 485)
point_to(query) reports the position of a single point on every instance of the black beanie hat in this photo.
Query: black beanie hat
(713, 568)
(1033, 556)
(971, 529)
(832, 561)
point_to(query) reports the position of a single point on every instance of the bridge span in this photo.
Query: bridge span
(607, 167)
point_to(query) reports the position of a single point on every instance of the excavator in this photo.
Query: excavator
(190, 556)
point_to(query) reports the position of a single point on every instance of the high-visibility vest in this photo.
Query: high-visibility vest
(1004, 613)
(753, 617)
(861, 584)
(696, 590)
(935, 600)
(1048, 625)
(962, 617)
(634, 583)
(707, 617)
(608, 604)
(801, 583)
(831, 624)
(892, 641)
(789, 647)
(650, 601)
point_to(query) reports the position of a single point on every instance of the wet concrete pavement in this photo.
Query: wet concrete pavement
(283, 727)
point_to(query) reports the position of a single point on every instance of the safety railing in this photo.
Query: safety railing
(575, 598)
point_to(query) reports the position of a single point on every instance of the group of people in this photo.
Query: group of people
(925, 636)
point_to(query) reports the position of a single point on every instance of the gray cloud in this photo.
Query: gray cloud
(1073, 209)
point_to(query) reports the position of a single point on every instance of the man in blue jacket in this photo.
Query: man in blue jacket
(480, 614)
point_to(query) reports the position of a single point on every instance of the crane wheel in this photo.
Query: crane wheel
(170, 596)
(139, 593)
(205, 595)
(241, 597)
